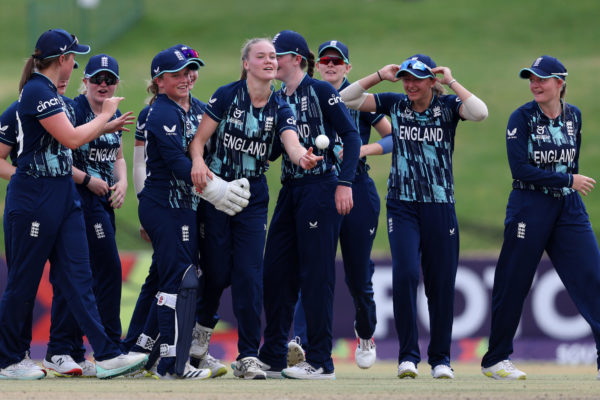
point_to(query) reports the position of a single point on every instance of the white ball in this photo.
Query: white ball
(322, 142)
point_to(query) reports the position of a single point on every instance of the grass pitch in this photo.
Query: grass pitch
(544, 381)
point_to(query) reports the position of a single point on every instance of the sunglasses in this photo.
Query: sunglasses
(189, 53)
(418, 65)
(106, 78)
(334, 60)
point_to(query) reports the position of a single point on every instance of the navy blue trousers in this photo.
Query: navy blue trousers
(357, 234)
(65, 335)
(232, 254)
(423, 236)
(561, 226)
(300, 258)
(45, 222)
(173, 233)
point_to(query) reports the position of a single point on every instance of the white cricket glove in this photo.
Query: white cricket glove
(229, 197)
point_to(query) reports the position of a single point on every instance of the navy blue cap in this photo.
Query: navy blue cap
(56, 42)
(335, 45)
(418, 65)
(99, 63)
(189, 53)
(290, 42)
(545, 67)
(171, 60)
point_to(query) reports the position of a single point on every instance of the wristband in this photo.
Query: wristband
(86, 180)
(379, 75)
(451, 82)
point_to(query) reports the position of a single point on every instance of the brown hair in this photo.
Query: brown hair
(246, 52)
(309, 63)
(31, 65)
(152, 89)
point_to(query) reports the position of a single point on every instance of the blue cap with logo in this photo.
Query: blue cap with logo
(337, 46)
(56, 42)
(171, 60)
(99, 63)
(290, 42)
(419, 66)
(545, 67)
(189, 53)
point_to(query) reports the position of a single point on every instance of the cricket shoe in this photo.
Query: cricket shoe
(88, 369)
(266, 368)
(23, 370)
(248, 368)
(295, 352)
(304, 370)
(62, 365)
(216, 367)
(442, 371)
(365, 354)
(200, 340)
(28, 362)
(504, 370)
(189, 372)
(407, 369)
(120, 365)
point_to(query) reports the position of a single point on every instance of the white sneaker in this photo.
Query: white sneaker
(442, 371)
(200, 340)
(62, 365)
(248, 368)
(88, 369)
(504, 370)
(216, 368)
(407, 369)
(120, 365)
(295, 352)
(365, 354)
(266, 368)
(29, 363)
(304, 370)
(23, 370)
(189, 372)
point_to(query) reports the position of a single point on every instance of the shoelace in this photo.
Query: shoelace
(306, 367)
(366, 344)
(508, 366)
(249, 363)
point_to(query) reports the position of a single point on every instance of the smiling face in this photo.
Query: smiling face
(98, 88)
(545, 90)
(331, 72)
(261, 62)
(418, 90)
(176, 85)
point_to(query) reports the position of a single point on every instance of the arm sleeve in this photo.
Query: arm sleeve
(386, 143)
(517, 142)
(139, 168)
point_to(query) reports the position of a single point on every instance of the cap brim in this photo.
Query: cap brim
(189, 62)
(101, 70)
(199, 61)
(79, 49)
(336, 49)
(414, 72)
(525, 73)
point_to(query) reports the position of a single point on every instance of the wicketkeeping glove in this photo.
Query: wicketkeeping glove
(229, 197)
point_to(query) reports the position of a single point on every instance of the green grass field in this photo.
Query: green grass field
(544, 381)
(485, 43)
